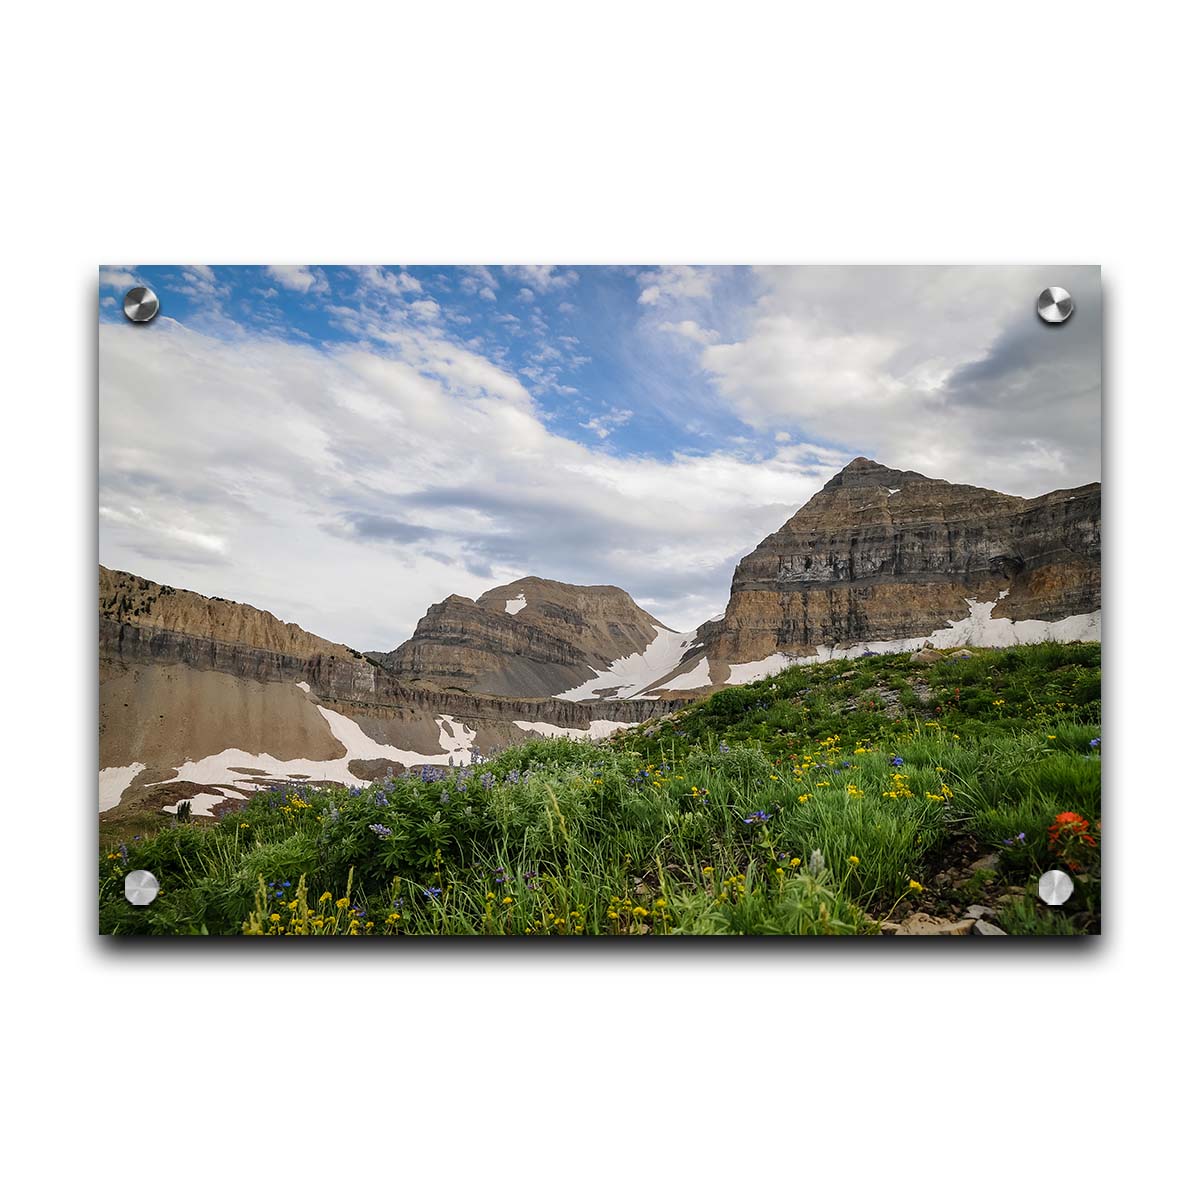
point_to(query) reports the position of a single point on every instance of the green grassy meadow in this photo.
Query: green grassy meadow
(827, 799)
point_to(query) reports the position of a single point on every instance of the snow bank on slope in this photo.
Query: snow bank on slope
(697, 677)
(219, 770)
(114, 780)
(977, 628)
(515, 605)
(632, 674)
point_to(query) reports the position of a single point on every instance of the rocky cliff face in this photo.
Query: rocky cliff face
(533, 637)
(202, 699)
(885, 555)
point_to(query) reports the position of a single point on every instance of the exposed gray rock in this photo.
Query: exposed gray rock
(988, 930)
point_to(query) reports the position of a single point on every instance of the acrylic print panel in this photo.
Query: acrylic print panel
(599, 601)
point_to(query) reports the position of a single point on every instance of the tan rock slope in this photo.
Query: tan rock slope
(203, 699)
(533, 637)
(882, 555)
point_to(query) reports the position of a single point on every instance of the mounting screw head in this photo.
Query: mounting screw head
(140, 887)
(141, 304)
(1055, 887)
(1055, 305)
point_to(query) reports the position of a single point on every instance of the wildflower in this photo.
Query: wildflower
(325, 896)
(487, 781)
(444, 798)
(342, 903)
(853, 860)
(816, 862)
(804, 798)
(914, 886)
(795, 862)
(1052, 737)
(514, 776)
(507, 900)
(722, 748)
(1095, 743)
(997, 703)
(275, 918)
(897, 761)
(756, 818)
(431, 893)
(380, 831)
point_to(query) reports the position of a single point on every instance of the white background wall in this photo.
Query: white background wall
(695, 132)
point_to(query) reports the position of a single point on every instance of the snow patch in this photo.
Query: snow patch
(303, 686)
(977, 628)
(114, 780)
(751, 671)
(515, 605)
(595, 731)
(636, 672)
(697, 677)
(214, 774)
(202, 804)
(892, 491)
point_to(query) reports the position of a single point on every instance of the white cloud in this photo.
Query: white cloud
(300, 279)
(425, 310)
(121, 278)
(673, 283)
(690, 330)
(946, 371)
(408, 474)
(543, 279)
(603, 425)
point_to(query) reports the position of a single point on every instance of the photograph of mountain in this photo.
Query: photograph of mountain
(599, 601)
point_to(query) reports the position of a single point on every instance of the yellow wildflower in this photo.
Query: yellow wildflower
(853, 860)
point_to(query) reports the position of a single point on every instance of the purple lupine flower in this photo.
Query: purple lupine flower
(487, 781)
(897, 761)
(380, 831)
(445, 796)
(756, 818)
(722, 748)
(1094, 743)
(514, 776)
(432, 893)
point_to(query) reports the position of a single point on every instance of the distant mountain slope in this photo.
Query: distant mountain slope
(880, 558)
(532, 637)
(202, 699)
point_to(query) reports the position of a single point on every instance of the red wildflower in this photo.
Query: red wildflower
(1073, 825)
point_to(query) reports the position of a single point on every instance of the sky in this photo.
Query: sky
(345, 446)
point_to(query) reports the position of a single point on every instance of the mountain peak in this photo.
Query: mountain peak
(865, 472)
